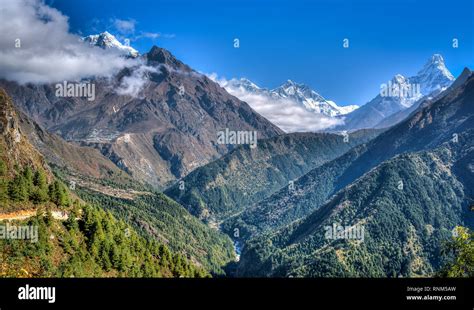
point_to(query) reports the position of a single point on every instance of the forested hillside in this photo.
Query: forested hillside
(73, 238)
(245, 175)
(89, 243)
(438, 121)
(405, 224)
(163, 219)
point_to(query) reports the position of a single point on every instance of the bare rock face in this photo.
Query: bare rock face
(15, 149)
(158, 120)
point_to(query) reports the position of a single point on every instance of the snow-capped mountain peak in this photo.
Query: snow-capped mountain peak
(244, 85)
(311, 100)
(293, 90)
(297, 93)
(436, 63)
(106, 40)
(289, 85)
(402, 93)
(399, 79)
(434, 76)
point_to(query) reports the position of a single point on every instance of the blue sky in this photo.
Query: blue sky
(297, 40)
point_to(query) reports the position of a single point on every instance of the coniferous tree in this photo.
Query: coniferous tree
(40, 191)
(3, 183)
(461, 250)
(18, 189)
(28, 175)
(3, 190)
(58, 194)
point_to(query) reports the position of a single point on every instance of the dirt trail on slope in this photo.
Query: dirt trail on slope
(25, 214)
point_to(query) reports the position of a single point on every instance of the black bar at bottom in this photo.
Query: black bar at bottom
(223, 293)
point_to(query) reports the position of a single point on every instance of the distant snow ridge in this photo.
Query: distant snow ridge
(107, 41)
(431, 80)
(300, 93)
(310, 99)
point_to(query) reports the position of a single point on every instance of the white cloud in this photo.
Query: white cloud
(149, 35)
(49, 52)
(124, 26)
(154, 35)
(133, 84)
(284, 113)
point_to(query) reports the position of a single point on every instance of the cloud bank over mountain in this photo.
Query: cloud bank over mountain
(37, 47)
(285, 113)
